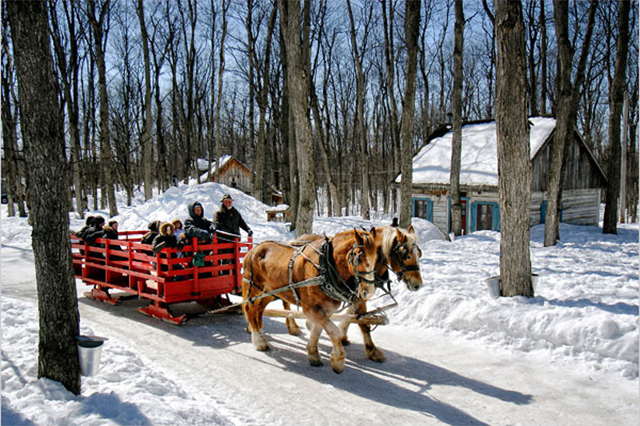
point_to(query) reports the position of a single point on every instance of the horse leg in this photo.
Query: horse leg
(338, 354)
(312, 346)
(370, 349)
(292, 326)
(253, 314)
(344, 328)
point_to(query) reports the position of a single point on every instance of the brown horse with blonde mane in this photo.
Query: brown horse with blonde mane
(399, 252)
(319, 276)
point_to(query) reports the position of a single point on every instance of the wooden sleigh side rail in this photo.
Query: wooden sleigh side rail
(164, 279)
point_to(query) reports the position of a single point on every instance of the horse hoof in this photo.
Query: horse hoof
(376, 355)
(346, 341)
(337, 368)
(294, 331)
(337, 363)
(314, 360)
(259, 342)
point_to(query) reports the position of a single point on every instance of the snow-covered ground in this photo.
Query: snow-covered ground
(455, 355)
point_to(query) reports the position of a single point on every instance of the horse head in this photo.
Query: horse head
(402, 253)
(362, 261)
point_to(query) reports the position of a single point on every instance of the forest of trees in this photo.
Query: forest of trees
(147, 88)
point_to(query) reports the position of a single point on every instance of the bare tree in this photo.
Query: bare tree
(411, 29)
(514, 165)
(543, 59)
(616, 96)
(263, 92)
(43, 138)
(358, 55)
(147, 142)
(298, 97)
(221, 64)
(11, 161)
(100, 26)
(456, 103)
(566, 111)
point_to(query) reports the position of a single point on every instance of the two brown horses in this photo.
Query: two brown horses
(392, 248)
(398, 250)
(337, 270)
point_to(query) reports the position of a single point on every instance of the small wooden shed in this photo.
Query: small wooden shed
(583, 178)
(233, 173)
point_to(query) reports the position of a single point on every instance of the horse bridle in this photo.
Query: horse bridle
(354, 261)
(402, 253)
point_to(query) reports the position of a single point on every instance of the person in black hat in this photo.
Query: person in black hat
(229, 220)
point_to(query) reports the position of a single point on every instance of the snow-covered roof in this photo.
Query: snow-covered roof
(203, 164)
(479, 162)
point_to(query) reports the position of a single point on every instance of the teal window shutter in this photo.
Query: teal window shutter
(413, 207)
(430, 211)
(496, 217)
(474, 217)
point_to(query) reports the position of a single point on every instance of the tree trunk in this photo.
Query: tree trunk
(543, 60)
(566, 111)
(389, 56)
(412, 28)
(225, 8)
(298, 91)
(43, 138)
(514, 164)
(147, 142)
(288, 126)
(258, 183)
(616, 96)
(456, 147)
(106, 156)
(360, 127)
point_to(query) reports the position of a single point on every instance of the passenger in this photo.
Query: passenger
(179, 229)
(167, 239)
(197, 226)
(93, 233)
(111, 230)
(87, 224)
(229, 220)
(152, 234)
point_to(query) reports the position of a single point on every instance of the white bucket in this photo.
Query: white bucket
(89, 351)
(493, 285)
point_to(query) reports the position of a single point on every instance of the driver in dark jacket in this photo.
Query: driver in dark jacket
(197, 226)
(228, 219)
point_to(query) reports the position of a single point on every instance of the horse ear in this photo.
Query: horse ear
(359, 239)
(411, 230)
(400, 236)
(372, 231)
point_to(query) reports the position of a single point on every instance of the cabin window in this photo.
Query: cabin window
(422, 207)
(485, 215)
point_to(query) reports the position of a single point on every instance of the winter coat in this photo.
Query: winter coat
(87, 224)
(93, 233)
(164, 239)
(230, 221)
(153, 232)
(110, 233)
(198, 226)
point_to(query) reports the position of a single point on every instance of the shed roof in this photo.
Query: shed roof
(479, 161)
